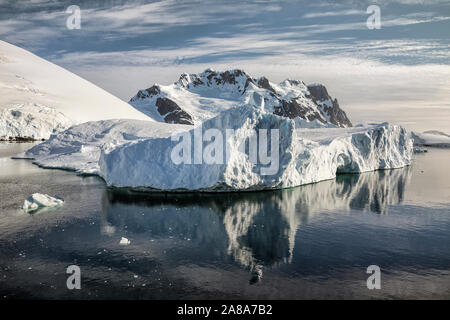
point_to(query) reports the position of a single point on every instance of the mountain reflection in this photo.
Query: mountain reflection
(256, 229)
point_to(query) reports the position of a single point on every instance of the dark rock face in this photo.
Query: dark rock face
(195, 82)
(264, 83)
(172, 112)
(336, 115)
(147, 93)
(227, 77)
(293, 109)
(318, 92)
(20, 139)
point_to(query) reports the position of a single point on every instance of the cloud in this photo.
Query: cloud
(333, 13)
(369, 90)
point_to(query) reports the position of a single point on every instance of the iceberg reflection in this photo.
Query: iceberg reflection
(256, 229)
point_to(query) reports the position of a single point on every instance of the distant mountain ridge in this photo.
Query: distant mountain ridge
(197, 97)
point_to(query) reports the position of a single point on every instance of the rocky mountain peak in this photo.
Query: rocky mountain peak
(197, 97)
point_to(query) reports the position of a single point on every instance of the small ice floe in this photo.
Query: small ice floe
(39, 201)
(124, 241)
(107, 229)
(420, 150)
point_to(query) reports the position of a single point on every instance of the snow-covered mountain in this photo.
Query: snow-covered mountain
(38, 97)
(197, 97)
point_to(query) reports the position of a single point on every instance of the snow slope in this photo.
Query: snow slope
(38, 98)
(432, 139)
(197, 97)
(305, 156)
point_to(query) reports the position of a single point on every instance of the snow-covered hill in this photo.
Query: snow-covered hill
(197, 97)
(38, 97)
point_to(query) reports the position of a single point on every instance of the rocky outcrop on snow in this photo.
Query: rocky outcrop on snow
(197, 97)
(329, 106)
(171, 112)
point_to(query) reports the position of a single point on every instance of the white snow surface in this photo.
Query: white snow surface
(32, 120)
(39, 200)
(305, 156)
(38, 97)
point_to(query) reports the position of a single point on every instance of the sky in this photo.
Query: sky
(399, 73)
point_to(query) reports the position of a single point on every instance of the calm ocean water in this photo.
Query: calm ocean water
(314, 241)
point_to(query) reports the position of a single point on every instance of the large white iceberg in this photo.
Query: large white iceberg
(293, 158)
(154, 155)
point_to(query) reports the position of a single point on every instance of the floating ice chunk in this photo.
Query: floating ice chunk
(39, 200)
(124, 241)
(420, 150)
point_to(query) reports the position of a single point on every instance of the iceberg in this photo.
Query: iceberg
(38, 201)
(431, 138)
(299, 156)
(124, 241)
(243, 148)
